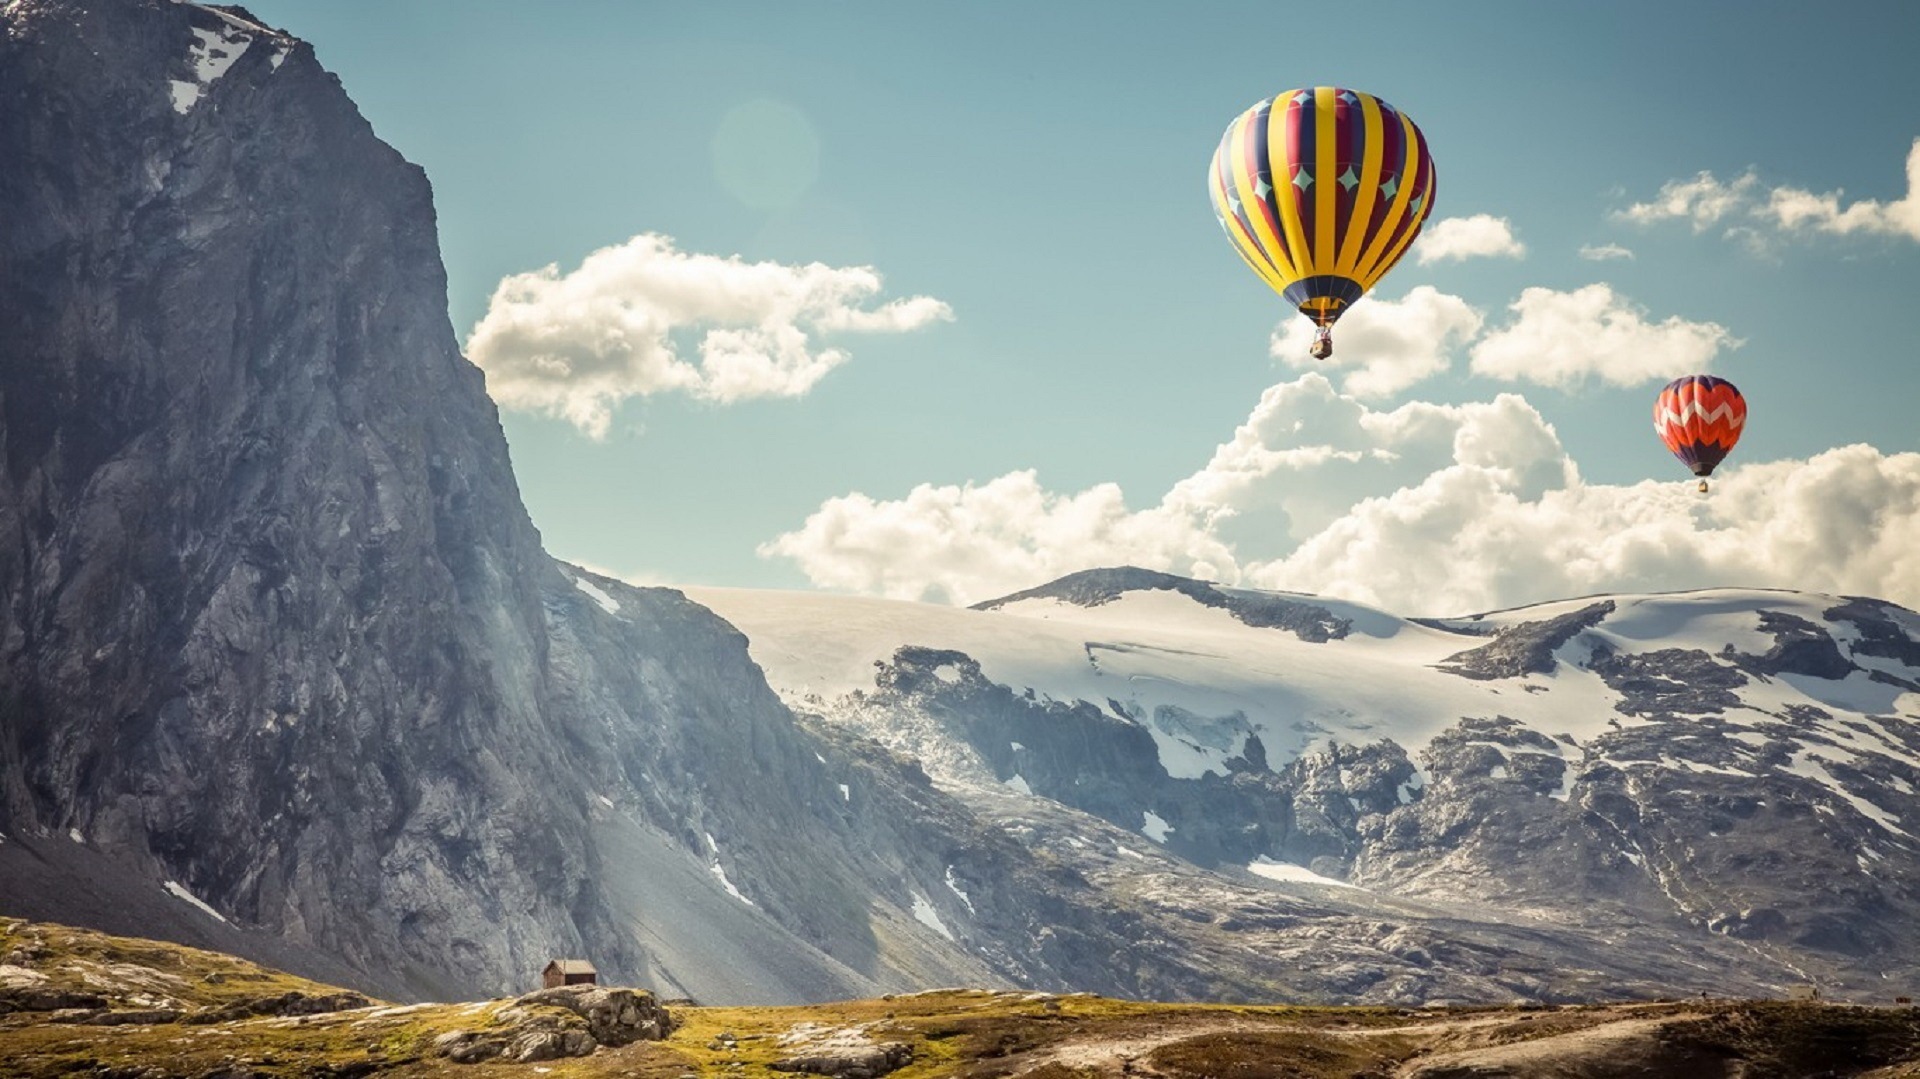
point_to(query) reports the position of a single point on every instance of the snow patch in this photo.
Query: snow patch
(1415, 783)
(74, 834)
(953, 886)
(720, 872)
(1154, 828)
(924, 913)
(213, 52)
(1264, 866)
(1019, 783)
(846, 793)
(175, 889)
(1809, 765)
(607, 603)
(947, 672)
(1568, 773)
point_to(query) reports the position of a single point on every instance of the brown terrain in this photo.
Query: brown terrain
(75, 1002)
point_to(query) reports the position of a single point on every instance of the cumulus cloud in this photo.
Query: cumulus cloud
(1702, 200)
(1421, 509)
(1459, 542)
(1458, 238)
(1706, 201)
(966, 543)
(1385, 346)
(1792, 208)
(1604, 252)
(1565, 338)
(645, 318)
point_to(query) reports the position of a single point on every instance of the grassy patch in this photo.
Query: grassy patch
(964, 1034)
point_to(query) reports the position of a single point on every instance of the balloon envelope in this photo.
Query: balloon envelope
(1321, 190)
(1700, 417)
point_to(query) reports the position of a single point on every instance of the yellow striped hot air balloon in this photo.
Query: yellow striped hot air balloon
(1322, 190)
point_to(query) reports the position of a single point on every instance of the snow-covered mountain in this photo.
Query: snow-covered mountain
(1724, 775)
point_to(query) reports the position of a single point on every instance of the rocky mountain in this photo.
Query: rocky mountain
(1718, 783)
(285, 671)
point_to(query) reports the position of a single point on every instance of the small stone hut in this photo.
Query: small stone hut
(568, 972)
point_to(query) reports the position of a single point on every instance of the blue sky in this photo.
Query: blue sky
(1032, 173)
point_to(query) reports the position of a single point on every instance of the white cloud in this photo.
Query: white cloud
(1604, 252)
(1384, 346)
(1839, 522)
(1792, 208)
(1307, 455)
(1423, 509)
(967, 543)
(1457, 238)
(1703, 200)
(1706, 202)
(576, 345)
(1565, 338)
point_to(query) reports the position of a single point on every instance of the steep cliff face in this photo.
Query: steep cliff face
(270, 596)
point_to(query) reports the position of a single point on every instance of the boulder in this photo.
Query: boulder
(850, 1062)
(614, 1016)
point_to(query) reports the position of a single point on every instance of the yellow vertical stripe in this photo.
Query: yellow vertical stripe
(1325, 149)
(1245, 177)
(1420, 218)
(1283, 178)
(1370, 267)
(1374, 151)
(1257, 254)
(1254, 255)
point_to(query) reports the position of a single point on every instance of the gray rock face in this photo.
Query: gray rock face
(1527, 648)
(262, 615)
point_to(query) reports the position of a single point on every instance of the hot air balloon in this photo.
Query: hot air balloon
(1321, 190)
(1700, 417)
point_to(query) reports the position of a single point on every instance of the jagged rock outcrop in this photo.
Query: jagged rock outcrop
(1526, 648)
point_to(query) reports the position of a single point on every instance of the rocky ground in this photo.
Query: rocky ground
(77, 1002)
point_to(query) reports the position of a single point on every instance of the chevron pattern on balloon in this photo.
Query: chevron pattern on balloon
(1699, 418)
